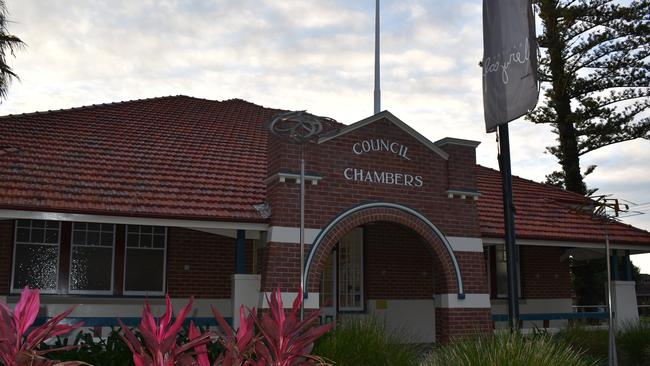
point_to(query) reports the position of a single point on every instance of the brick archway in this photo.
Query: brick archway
(332, 233)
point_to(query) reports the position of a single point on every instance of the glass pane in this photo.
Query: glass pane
(107, 239)
(52, 236)
(108, 227)
(90, 269)
(38, 236)
(92, 238)
(159, 230)
(94, 226)
(23, 223)
(327, 284)
(502, 272)
(158, 241)
(36, 266)
(132, 240)
(22, 235)
(79, 226)
(144, 270)
(350, 270)
(133, 228)
(79, 237)
(146, 229)
(145, 240)
(38, 223)
(52, 224)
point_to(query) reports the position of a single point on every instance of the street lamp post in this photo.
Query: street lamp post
(299, 127)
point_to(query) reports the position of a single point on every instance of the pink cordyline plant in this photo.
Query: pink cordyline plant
(17, 347)
(159, 346)
(284, 339)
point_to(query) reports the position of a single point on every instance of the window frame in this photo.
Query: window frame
(126, 292)
(56, 289)
(362, 302)
(72, 245)
(492, 264)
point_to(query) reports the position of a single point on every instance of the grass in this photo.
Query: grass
(632, 343)
(505, 348)
(362, 341)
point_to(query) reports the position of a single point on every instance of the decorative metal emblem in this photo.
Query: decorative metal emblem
(297, 126)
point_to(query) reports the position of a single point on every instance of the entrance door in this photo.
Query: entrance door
(342, 281)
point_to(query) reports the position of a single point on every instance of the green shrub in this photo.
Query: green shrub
(633, 345)
(593, 342)
(360, 341)
(512, 349)
(106, 351)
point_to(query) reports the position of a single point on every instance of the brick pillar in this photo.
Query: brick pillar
(454, 323)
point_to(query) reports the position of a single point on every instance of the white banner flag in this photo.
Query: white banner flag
(510, 84)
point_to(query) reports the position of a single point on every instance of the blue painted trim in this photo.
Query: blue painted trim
(98, 321)
(408, 210)
(240, 255)
(553, 316)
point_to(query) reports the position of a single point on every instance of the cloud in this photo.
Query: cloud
(315, 55)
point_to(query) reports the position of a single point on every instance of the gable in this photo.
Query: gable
(386, 115)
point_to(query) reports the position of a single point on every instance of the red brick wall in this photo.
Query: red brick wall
(334, 193)
(398, 263)
(461, 322)
(543, 275)
(211, 259)
(6, 247)
(461, 166)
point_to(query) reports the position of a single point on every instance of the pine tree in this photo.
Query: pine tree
(8, 44)
(595, 74)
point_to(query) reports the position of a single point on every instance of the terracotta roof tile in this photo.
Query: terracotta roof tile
(163, 157)
(183, 157)
(544, 212)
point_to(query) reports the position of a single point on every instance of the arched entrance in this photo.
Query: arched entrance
(366, 213)
(385, 259)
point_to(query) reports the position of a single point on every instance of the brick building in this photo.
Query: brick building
(108, 204)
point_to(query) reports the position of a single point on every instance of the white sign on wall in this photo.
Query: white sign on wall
(377, 145)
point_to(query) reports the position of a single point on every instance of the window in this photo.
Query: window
(500, 288)
(91, 258)
(350, 273)
(144, 267)
(36, 255)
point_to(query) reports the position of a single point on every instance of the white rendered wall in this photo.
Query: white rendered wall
(624, 303)
(414, 317)
(245, 292)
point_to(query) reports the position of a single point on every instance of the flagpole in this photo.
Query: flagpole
(509, 226)
(377, 106)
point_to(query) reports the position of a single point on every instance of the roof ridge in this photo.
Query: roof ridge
(98, 105)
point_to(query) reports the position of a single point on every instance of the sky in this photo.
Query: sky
(315, 55)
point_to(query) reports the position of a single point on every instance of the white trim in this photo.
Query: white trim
(284, 234)
(312, 302)
(455, 141)
(229, 233)
(164, 274)
(125, 220)
(72, 245)
(283, 177)
(475, 301)
(570, 244)
(13, 290)
(462, 194)
(397, 122)
(465, 244)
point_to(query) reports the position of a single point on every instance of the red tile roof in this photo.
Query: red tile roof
(544, 212)
(190, 158)
(169, 157)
